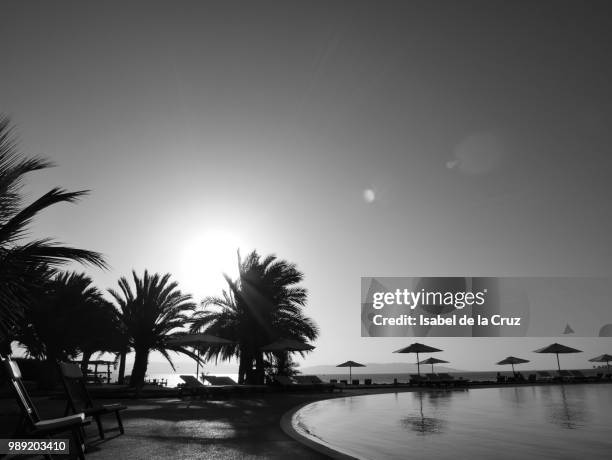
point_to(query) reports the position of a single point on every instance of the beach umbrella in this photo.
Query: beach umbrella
(557, 348)
(417, 348)
(287, 345)
(602, 359)
(433, 361)
(512, 360)
(198, 340)
(350, 365)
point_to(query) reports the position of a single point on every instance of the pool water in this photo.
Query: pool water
(544, 422)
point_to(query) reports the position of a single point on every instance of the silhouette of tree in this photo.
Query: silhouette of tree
(19, 259)
(263, 305)
(67, 316)
(151, 314)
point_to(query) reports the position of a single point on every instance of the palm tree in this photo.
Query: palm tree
(151, 314)
(263, 305)
(68, 316)
(19, 259)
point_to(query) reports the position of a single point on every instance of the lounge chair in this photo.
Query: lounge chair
(579, 376)
(79, 399)
(545, 376)
(193, 387)
(416, 379)
(433, 380)
(565, 376)
(32, 426)
(226, 385)
(532, 378)
(448, 379)
(213, 380)
(303, 382)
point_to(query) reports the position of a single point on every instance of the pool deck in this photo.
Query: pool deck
(254, 426)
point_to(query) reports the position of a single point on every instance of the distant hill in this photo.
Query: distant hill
(377, 368)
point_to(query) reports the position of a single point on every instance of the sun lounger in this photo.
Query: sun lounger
(79, 399)
(450, 380)
(32, 426)
(418, 380)
(213, 380)
(193, 387)
(565, 376)
(226, 386)
(303, 383)
(545, 376)
(579, 376)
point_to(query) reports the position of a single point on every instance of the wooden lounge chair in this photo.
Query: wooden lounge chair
(32, 426)
(79, 399)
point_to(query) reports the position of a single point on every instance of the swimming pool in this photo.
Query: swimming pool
(544, 422)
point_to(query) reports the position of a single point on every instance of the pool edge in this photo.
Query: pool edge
(287, 427)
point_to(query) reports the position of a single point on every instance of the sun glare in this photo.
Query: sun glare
(205, 259)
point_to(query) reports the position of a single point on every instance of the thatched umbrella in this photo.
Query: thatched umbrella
(512, 360)
(557, 348)
(197, 341)
(602, 359)
(417, 348)
(433, 361)
(287, 345)
(350, 365)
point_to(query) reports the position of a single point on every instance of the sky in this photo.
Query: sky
(353, 138)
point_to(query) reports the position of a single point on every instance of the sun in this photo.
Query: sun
(204, 260)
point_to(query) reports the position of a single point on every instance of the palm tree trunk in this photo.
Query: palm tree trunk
(85, 361)
(141, 361)
(48, 375)
(242, 369)
(260, 371)
(121, 376)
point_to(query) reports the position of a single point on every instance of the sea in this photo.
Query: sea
(173, 379)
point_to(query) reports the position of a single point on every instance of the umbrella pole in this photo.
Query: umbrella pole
(558, 365)
(198, 366)
(350, 374)
(512, 367)
(432, 368)
(418, 365)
